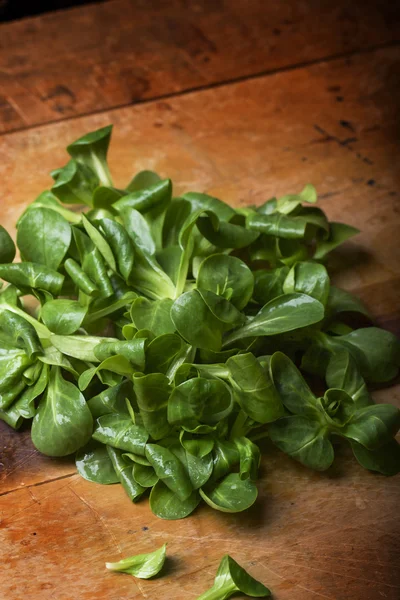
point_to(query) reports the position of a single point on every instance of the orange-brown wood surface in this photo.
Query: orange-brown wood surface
(333, 123)
(106, 55)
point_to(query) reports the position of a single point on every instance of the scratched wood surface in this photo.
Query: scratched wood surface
(106, 55)
(333, 535)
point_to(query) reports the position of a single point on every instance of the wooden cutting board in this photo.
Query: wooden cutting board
(328, 536)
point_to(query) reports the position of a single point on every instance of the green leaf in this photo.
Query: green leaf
(104, 198)
(13, 363)
(100, 242)
(10, 295)
(113, 366)
(161, 352)
(118, 430)
(253, 388)
(63, 317)
(144, 475)
(7, 397)
(227, 276)
(110, 400)
(291, 386)
(91, 150)
(123, 469)
(198, 401)
(7, 246)
(373, 426)
(250, 458)
(308, 278)
(142, 566)
(143, 179)
(340, 301)
(222, 309)
(204, 202)
(278, 225)
(25, 405)
(63, 422)
(198, 446)
(153, 315)
(282, 314)
(78, 346)
(132, 350)
(167, 505)
(199, 469)
(304, 440)
(269, 284)
(94, 464)
(44, 237)
(195, 322)
(286, 204)
(52, 356)
(146, 199)
(80, 278)
(152, 393)
(106, 307)
(21, 332)
(339, 233)
(232, 578)
(120, 244)
(342, 373)
(385, 460)
(49, 201)
(28, 275)
(75, 184)
(230, 495)
(376, 351)
(225, 235)
(225, 455)
(170, 470)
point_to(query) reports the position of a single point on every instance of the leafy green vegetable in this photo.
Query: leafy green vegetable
(124, 473)
(184, 322)
(165, 504)
(232, 578)
(63, 317)
(63, 422)
(232, 494)
(7, 247)
(94, 464)
(44, 237)
(142, 566)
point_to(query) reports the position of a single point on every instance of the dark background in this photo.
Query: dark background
(16, 9)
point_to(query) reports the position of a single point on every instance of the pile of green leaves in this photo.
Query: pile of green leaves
(167, 335)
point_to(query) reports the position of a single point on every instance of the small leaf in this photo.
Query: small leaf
(91, 150)
(195, 322)
(123, 469)
(94, 464)
(170, 470)
(118, 430)
(304, 440)
(7, 246)
(44, 237)
(142, 566)
(63, 422)
(167, 505)
(29, 275)
(253, 388)
(339, 233)
(231, 495)
(232, 578)
(63, 317)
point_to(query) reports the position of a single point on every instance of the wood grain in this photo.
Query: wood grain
(116, 53)
(316, 536)
(308, 536)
